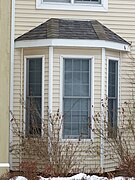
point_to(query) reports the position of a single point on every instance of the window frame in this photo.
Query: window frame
(62, 57)
(103, 6)
(118, 89)
(25, 90)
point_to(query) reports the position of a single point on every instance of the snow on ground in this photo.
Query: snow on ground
(80, 176)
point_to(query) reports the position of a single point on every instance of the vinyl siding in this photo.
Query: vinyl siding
(19, 82)
(5, 7)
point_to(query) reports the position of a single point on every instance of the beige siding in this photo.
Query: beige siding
(4, 81)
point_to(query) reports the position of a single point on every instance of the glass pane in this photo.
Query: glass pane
(76, 90)
(85, 78)
(68, 65)
(68, 90)
(58, 1)
(76, 108)
(38, 64)
(84, 104)
(111, 91)
(68, 77)
(76, 77)
(88, 1)
(84, 118)
(33, 89)
(85, 90)
(32, 77)
(38, 90)
(32, 64)
(38, 77)
(75, 129)
(76, 65)
(85, 65)
(33, 116)
(76, 104)
(67, 104)
(112, 79)
(67, 129)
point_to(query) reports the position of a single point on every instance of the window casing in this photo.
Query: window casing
(75, 5)
(76, 98)
(112, 98)
(33, 114)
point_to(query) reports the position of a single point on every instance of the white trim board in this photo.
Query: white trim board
(103, 6)
(72, 43)
(4, 165)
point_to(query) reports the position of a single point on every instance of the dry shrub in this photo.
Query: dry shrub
(53, 156)
(120, 146)
(127, 166)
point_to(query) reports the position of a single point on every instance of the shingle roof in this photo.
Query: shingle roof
(72, 29)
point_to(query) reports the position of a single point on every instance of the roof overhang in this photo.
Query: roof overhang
(72, 43)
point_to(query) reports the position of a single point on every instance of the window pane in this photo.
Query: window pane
(33, 96)
(68, 65)
(84, 90)
(68, 77)
(85, 65)
(33, 116)
(68, 90)
(76, 77)
(85, 77)
(58, 1)
(112, 97)
(88, 1)
(76, 65)
(76, 108)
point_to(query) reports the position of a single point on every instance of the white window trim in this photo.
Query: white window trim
(73, 6)
(62, 57)
(43, 67)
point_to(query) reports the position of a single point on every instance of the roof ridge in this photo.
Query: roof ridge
(99, 30)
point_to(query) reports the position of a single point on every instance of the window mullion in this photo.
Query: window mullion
(72, 1)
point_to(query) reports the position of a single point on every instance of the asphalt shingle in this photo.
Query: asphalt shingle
(72, 29)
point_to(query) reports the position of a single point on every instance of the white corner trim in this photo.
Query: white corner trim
(92, 97)
(61, 85)
(102, 109)
(4, 165)
(11, 76)
(72, 43)
(103, 7)
(50, 88)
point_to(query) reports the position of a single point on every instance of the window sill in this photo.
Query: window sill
(73, 7)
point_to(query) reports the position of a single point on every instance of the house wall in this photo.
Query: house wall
(20, 54)
(120, 18)
(93, 159)
(4, 82)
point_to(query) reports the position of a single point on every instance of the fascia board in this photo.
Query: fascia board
(72, 43)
